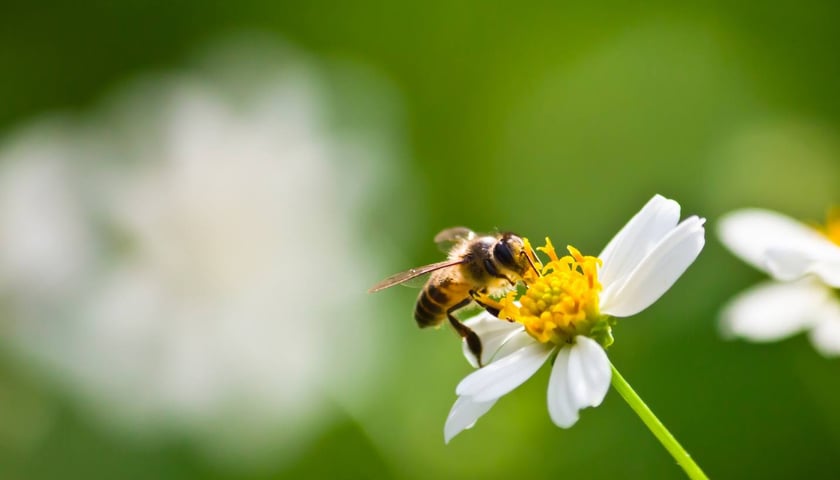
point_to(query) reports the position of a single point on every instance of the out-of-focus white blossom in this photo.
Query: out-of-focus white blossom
(180, 259)
(805, 266)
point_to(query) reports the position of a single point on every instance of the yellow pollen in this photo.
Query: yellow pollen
(562, 301)
(832, 225)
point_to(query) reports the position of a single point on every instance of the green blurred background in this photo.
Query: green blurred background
(541, 118)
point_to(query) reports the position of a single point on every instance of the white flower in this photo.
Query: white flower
(805, 266)
(639, 265)
(179, 260)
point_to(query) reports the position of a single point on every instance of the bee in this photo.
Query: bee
(477, 265)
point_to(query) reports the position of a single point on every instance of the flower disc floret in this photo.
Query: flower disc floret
(560, 303)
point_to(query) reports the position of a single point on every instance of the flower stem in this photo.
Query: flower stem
(659, 431)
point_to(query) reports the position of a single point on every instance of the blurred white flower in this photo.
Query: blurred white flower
(805, 266)
(566, 312)
(181, 259)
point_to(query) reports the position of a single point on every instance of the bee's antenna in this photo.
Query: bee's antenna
(530, 262)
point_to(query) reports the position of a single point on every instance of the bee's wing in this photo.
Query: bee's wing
(409, 274)
(447, 239)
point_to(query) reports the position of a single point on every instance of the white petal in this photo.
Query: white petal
(505, 374)
(494, 333)
(826, 333)
(657, 271)
(580, 378)
(561, 405)
(589, 372)
(514, 342)
(828, 272)
(772, 310)
(659, 216)
(791, 263)
(463, 415)
(504, 346)
(751, 233)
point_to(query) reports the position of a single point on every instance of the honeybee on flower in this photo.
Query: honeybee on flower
(478, 265)
(566, 314)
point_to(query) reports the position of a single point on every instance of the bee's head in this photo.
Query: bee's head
(509, 252)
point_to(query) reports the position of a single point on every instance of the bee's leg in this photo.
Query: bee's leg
(493, 307)
(473, 342)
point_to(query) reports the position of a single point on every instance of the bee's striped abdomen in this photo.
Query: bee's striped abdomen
(437, 295)
(431, 306)
(427, 312)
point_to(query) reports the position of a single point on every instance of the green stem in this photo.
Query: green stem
(659, 431)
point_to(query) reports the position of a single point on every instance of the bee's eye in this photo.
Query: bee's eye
(503, 253)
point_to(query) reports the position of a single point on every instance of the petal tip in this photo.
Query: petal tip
(565, 422)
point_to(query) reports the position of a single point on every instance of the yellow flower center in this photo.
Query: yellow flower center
(560, 302)
(832, 225)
